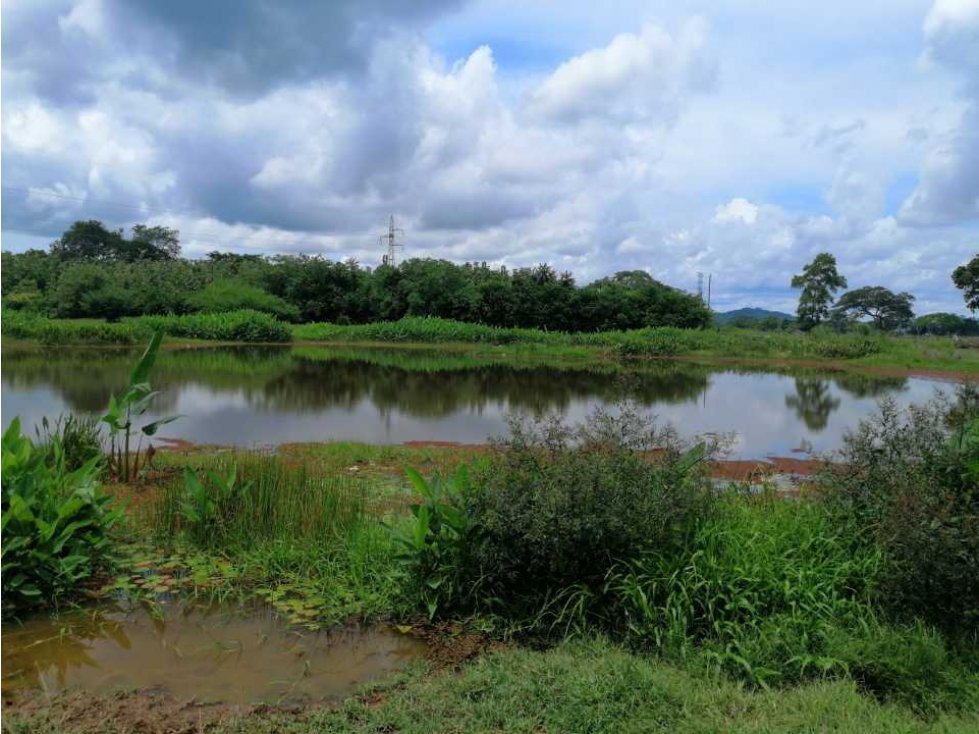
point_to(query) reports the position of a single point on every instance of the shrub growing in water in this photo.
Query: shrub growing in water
(55, 523)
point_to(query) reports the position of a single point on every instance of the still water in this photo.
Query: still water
(253, 396)
(230, 655)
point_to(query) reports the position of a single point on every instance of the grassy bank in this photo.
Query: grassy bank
(236, 326)
(581, 686)
(483, 342)
(873, 350)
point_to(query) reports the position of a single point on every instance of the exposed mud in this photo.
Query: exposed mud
(207, 654)
(155, 710)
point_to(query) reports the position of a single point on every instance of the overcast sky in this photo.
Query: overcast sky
(737, 138)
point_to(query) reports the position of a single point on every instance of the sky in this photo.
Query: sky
(735, 137)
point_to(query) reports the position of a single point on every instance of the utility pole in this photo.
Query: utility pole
(389, 240)
(710, 277)
(700, 285)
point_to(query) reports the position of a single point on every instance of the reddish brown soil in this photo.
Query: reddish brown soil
(756, 471)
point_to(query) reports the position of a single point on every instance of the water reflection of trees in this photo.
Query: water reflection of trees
(86, 377)
(414, 382)
(313, 386)
(812, 402)
(280, 380)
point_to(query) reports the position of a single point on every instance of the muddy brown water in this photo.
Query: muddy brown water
(210, 654)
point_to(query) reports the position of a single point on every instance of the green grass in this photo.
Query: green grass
(584, 686)
(310, 542)
(873, 350)
(243, 326)
(862, 350)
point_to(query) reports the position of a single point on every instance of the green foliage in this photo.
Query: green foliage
(95, 272)
(966, 279)
(124, 458)
(55, 523)
(246, 326)
(435, 541)
(80, 438)
(559, 506)
(942, 324)
(886, 310)
(221, 296)
(819, 280)
(757, 592)
(908, 482)
(247, 500)
(910, 665)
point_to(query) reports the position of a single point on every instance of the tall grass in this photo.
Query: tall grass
(310, 544)
(244, 326)
(761, 588)
(272, 500)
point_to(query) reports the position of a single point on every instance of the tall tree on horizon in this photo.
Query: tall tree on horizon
(819, 280)
(966, 279)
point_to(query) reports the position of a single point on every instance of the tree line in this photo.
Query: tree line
(91, 271)
(885, 310)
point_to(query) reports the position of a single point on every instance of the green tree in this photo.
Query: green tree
(87, 242)
(154, 243)
(966, 279)
(819, 280)
(887, 310)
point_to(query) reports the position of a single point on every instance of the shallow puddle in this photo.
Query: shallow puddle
(192, 652)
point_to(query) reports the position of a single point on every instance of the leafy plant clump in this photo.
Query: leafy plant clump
(55, 523)
(124, 457)
(909, 483)
(555, 509)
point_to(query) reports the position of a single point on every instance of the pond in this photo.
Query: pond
(254, 396)
(207, 653)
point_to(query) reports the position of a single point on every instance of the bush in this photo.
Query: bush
(55, 523)
(225, 295)
(909, 481)
(557, 507)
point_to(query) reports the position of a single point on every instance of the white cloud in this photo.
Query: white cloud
(948, 191)
(636, 77)
(737, 210)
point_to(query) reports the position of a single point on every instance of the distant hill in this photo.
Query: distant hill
(725, 317)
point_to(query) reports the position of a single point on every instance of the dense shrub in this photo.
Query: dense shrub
(55, 523)
(909, 481)
(559, 506)
(224, 295)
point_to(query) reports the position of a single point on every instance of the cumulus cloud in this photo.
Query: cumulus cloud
(672, 145)
(636, 77)
(949, 188)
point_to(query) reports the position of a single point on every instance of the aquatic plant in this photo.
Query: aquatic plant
(124, 458)
(55, 523)
(434, 542)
